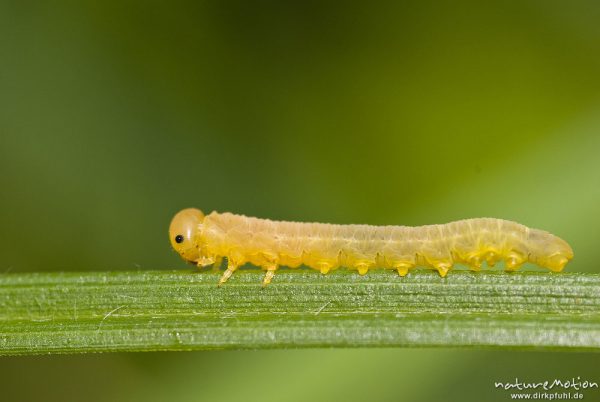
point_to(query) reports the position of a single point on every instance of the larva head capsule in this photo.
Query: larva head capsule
(184, 231)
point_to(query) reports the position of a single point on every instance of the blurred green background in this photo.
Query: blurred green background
(114, 115)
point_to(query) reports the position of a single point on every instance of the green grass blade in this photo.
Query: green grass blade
(185, 310)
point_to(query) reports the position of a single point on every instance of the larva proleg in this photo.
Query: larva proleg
(205, 240)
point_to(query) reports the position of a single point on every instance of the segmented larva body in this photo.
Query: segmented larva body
(205, 240)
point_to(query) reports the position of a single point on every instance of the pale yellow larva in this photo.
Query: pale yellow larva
(205, 240)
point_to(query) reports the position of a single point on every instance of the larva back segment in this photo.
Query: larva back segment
(325, 247)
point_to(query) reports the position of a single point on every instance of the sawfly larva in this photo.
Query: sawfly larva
(205, 240)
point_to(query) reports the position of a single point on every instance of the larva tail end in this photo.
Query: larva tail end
(548, 251)
(557, 263)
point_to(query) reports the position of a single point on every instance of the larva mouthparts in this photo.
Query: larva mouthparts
(206, 239)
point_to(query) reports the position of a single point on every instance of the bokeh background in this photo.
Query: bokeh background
(116, 114)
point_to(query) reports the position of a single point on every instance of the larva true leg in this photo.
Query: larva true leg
(270, 262)
(231, 267)
(269, 275)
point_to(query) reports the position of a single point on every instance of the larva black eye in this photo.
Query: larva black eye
(179, 239)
